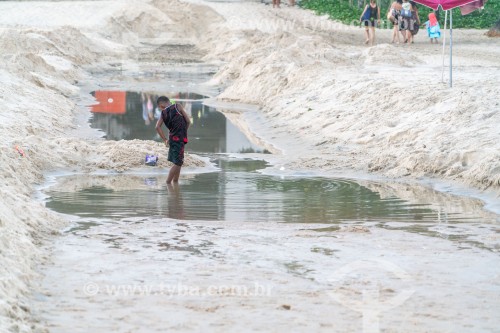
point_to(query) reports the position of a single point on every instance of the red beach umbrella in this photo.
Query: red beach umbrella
(445, 4)
(467, 7)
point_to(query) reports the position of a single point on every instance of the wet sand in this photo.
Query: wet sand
(146, 275)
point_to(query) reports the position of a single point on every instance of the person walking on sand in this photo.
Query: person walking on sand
(415, 20)
(177, 121)
(393, 15)
(409, 22)
(370, 17)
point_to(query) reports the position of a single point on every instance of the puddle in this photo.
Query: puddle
(238, 193)
(127, 115)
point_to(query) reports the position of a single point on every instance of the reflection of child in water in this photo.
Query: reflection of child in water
(433, 28)
(147, 108)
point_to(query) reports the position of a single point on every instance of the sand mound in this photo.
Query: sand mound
(113, 155)
(388, 54)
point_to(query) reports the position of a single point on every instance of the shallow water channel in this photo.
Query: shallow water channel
(237, 190)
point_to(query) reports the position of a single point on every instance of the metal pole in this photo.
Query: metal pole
(444, 43)
(451, 47)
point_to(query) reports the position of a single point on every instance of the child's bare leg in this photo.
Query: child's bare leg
(367, 32)
(174, 171)
(372, 36)
(177, 175)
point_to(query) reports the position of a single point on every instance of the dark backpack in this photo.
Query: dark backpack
(406, 13)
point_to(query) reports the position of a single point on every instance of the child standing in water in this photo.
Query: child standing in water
(433, 28)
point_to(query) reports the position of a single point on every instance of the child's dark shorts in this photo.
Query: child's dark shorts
(176, 152)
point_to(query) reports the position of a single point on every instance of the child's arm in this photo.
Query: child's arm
(418, 17)
(160, 131)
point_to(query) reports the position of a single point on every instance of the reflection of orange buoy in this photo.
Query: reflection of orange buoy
(110, 102)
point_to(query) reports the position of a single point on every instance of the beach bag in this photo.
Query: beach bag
(151, 160)
(391, 17)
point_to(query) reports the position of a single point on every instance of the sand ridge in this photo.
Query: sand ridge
(379, 109)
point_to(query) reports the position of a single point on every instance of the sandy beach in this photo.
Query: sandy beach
(323, 104)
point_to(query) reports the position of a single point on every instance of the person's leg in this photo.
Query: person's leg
(372, 36)
(395, 33)
(176, 156)
(367, 33)
(173, 173)
(177, 174)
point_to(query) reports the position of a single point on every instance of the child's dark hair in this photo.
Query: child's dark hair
(162, 99)
(399, 1)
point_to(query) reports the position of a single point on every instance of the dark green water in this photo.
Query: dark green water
(238, 193)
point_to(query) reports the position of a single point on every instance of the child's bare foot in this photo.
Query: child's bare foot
(367, 41)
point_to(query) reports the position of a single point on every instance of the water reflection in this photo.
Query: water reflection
(126, 115)
(175, 202)
(240, 194)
